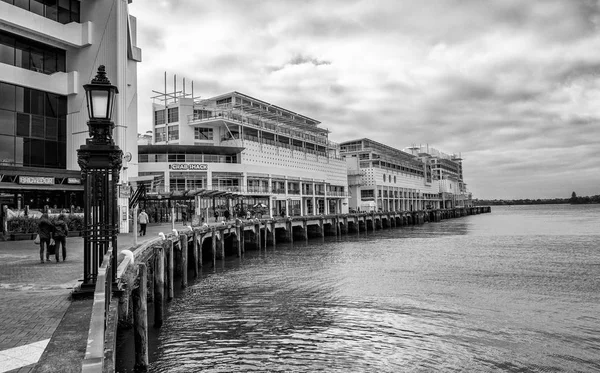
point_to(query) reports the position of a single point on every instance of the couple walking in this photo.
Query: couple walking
(53, 234)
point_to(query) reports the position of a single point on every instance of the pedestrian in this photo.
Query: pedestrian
(46, 231)
(184, 217)
(282, 213)
(226, 214)
(61, 231)
(143, 219)
(216, 216)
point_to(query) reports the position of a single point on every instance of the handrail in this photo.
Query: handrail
(93, 362)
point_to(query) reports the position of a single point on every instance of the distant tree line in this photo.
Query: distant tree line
(575, 200)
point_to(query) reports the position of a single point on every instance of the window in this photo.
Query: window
(173, 115)
(173, 132)
(384, 178)
(365, 194)
(160, 134)
(30, 55)
(203, 133)
(394, 179)
(159, 117)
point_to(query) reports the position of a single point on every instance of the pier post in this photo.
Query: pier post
(305, 226)
(239, 234)
(257, 235)
(183, 244)
(273, 233)
(222, 244)
(195, 254)
(346, 227)
(321, 228)
(140, 320)
(159, 285)
(290, 229)
(170, 288)
(199, 243)
(266, 235)
(214, 247)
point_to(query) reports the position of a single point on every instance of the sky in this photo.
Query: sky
(512, 86)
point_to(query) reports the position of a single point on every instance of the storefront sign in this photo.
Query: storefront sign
(73, 180)
(36, 180)
(189, 166)
(124, 191)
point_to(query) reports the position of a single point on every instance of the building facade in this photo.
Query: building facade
(48, 51)
(234, 151)
(382, 178)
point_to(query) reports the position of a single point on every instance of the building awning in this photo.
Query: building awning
(64, 187)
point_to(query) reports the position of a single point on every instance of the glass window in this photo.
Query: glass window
(51, 108)
(143, 158)
(36, 7)
(7, 50)
(20, 99)
(173, 115)
(23, 125)
(37, 102)
(161, 158)
(49, 62)
(61, 155)
(64, 13)
(7, 150)
(51, 9)
(7, 122)
(51, 129)
(23, 4)
(159, 117)
(75, 11)
(20, 145)
(37, 126)
(51, 149)
(201, 133)
(62, 130)
(159, 135)
(36, 153)
(7, 96)
(173, 133)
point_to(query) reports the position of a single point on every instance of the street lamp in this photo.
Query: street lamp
(100, 161)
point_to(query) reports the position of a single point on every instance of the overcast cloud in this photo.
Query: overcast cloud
(513, 86)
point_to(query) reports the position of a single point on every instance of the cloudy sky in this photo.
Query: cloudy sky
(512, 85)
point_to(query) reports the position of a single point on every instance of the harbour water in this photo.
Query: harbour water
(515, 290)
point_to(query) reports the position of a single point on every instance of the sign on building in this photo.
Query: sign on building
(188, 166)
(36, 180)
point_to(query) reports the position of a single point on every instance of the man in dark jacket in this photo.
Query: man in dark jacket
(61, 231)
(46, 231)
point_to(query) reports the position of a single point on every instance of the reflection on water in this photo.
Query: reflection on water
(515, 290)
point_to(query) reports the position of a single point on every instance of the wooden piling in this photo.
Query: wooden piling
(214, 247)
(273, 233)
(170, 267)
(199, 243)
(159, 285)
(140, 320)
(195, 254)
(257, 235)
(183, 244)
(238, 233)
(305, 230)
(222, 245)
(290, 227)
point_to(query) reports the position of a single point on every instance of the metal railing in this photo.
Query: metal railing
(94, 354)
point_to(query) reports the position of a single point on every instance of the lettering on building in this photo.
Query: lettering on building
(189, 166)
(35, 180)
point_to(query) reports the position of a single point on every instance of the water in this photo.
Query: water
(517, 290)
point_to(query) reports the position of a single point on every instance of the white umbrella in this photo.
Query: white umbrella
(262, 205)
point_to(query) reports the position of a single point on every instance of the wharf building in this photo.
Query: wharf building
(48, 51)
(234, 153)
(382, 178)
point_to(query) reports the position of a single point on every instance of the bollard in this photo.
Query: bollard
(140, 320)
(183, 244)
(159, 285)
(170, 287)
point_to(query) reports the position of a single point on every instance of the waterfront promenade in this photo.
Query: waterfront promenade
(34, 297)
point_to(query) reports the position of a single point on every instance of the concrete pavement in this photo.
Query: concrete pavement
(34, 297)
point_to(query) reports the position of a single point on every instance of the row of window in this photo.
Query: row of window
(32, 101)
(172, 116)
(191, 158)
(26, 125)
(170, 133)
(63, 11)
(30, 55)
(370, 193)
(28, 152)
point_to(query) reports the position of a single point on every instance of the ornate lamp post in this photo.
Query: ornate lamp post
(100, 161)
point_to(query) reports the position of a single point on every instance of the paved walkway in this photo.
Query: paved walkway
(34, 297)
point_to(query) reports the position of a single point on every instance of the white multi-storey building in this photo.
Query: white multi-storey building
(384, 178)
(48, 51)
(235, 151)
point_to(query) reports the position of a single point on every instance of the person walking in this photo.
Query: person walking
(226, 214)
(46, 231)
(143, 219)
(61, 231)
(184, 217)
